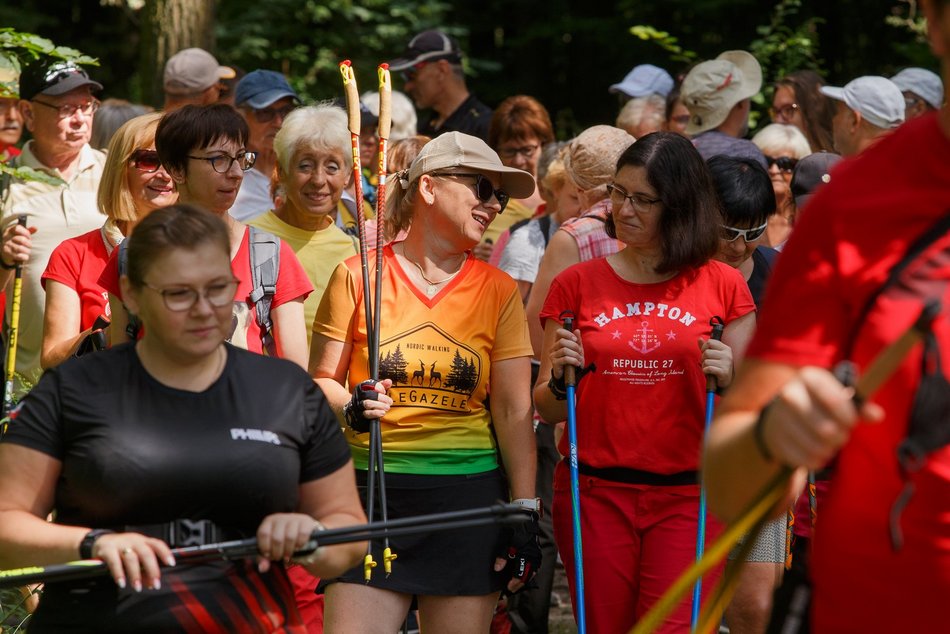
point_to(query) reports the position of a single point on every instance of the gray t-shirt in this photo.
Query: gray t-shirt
(523, 251)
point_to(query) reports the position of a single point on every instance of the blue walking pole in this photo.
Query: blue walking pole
(717, 328)
(570, 383)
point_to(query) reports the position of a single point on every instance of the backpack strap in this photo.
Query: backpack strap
(134, 325)
(265, 265)
(544, 224)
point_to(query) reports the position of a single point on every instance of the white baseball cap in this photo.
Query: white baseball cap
(878, 99)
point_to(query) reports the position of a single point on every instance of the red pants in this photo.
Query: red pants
(309, 603)
(637, 540)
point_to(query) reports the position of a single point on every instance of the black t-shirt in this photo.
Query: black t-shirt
(472, 117)
(134, 451)
(763, 261)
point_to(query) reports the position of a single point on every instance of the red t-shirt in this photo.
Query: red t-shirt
(643, 407)
(78, 263)
(292, 283)
(850, 235)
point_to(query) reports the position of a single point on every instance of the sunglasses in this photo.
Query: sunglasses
(266, 115)
(731, 234)
(784, 163)
(484, 190)
(145, 160)
(410, 73)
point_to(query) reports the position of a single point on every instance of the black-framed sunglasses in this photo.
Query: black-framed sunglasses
(784, 163)
(731, 234)
(266, 115)
(412, 72)
(145, 160)
(484, 190)
(223, 162)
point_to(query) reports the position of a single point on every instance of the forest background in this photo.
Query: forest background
(564, 52)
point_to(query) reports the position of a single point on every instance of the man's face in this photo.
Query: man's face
(11, 121)
(51, 129)
(423, 83)
(264, 124)
(843, 129)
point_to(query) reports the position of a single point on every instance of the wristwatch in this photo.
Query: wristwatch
(85, 546)
(530, 504)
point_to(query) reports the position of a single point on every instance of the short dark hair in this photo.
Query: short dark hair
(745, 190)
(689, 224)
(174, 227)
(182, 131)
(517, 118)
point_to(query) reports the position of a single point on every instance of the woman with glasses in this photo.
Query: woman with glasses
(203, 148)
(520, 127)
(798, 101)
(642, 349)
(453, 329)
(167, 442)
(133, 184)
(783, 146)
(747, 203)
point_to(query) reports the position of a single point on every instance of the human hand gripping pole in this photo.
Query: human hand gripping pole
(717, 327)
(570, 385)
(12, 335)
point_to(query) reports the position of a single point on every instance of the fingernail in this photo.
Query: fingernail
(120, 582)
(157, 584)
(169, 561)
(137, 585)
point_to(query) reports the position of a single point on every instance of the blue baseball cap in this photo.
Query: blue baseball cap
(260, 88)
(644, 80)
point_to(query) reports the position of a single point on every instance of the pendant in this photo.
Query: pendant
(431, 290)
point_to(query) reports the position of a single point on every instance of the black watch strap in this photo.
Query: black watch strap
(85, 546)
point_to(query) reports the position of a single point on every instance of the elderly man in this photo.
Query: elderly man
(58, 106)
(718, 95)
(193, 76)
(11, 122)
(923, 91)
(264, 99)
(432, 70)
(868, 108)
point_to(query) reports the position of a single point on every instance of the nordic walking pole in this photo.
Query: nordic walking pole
(382, 130)
(570, 384)
(717, 327)
(10, 368)
(353, 112)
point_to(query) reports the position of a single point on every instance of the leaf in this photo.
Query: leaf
(25, 173)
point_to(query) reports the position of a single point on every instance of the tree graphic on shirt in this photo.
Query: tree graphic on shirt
(393, 366)
(463, 376)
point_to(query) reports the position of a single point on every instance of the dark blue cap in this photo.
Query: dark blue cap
(260, 88)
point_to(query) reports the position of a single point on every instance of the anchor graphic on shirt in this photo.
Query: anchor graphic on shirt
(644, 340)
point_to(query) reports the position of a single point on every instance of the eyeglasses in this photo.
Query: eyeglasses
(784, 163)
(639, 202)
(68, 110)
(484, 190)
(145, 160)
(526, 151)
(223, 162)
(911, 101)
(785, 112)
(181, 298)
(412, 72)
(266, 115)
(731, 234)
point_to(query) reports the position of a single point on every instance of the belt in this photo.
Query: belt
(185, 532)
(627, 475)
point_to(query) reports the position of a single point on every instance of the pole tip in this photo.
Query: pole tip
(384, 66)
(346, 62)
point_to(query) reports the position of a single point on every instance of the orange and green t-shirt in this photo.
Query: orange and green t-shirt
(438, 352)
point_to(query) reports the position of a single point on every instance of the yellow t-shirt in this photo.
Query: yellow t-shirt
(438, 352)
(319, 253)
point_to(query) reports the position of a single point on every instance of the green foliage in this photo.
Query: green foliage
(16, 48)
(665, 41)
(782, 48)
(306, 40)
(29, 174)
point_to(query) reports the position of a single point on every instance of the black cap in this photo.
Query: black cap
(428, 46)
(49, 77)
(810, 173)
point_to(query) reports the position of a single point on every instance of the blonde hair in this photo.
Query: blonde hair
(114, 197)
(322, 127)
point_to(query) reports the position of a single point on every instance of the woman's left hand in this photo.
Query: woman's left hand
(717, 361)
(280, 535)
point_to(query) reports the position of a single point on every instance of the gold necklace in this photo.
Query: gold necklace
(433, 285)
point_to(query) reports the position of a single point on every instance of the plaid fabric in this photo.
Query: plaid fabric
(589, 233)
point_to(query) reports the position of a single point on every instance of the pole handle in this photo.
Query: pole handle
(385, 102)
(352, 96)
(569, 370)
(718, 325)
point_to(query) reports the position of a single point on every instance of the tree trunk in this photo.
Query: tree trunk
(168, 27)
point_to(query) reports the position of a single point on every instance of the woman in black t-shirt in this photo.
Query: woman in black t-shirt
(175, 440)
